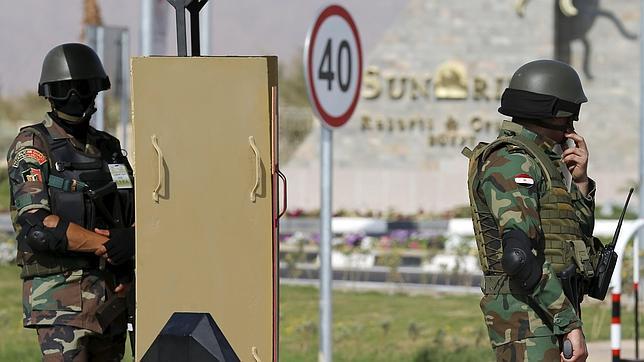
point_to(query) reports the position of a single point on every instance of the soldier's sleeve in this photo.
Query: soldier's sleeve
(585, 207)
(28, 170)
(511, 184)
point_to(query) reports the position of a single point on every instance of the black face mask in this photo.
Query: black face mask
(74, 105)
(77, 129)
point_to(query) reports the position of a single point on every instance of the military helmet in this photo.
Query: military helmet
(543, 89)
(72, 66)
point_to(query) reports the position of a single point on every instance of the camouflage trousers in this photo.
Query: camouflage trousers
(529, 349)
(66, 343)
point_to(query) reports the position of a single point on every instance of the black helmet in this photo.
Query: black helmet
(543, 89)
(72, 66)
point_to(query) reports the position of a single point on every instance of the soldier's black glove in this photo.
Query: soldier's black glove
(120, 247)
(124, 273)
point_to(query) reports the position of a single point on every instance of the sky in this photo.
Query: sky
(29, 28)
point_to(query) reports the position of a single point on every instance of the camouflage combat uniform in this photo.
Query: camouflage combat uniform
(60, 302)
(509, 183)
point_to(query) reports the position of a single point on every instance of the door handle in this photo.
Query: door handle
(258, 160)
(155, 144)
(255, 354)
(284, 197)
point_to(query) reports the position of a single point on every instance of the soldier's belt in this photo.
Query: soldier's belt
(500, 284)
(43, 264)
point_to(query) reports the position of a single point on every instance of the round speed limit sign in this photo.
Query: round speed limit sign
(333, 66)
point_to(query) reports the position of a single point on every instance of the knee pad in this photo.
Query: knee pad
(38, 236)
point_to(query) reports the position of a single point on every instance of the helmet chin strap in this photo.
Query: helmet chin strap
(556, 127)
(562, 128)
(75, 119)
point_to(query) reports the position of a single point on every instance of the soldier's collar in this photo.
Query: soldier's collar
(56, 131)
(511, 128)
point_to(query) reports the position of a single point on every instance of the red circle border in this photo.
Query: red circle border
(330, 120)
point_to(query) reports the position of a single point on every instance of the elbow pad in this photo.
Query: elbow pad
(519, 262)
(39, 237)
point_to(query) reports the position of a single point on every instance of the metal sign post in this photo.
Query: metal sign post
(125, 88)
(326, 269)
(153, 27)
(333, 72)
(111, 44)
(193, 7)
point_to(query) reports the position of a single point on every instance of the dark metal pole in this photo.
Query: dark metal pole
(194, 33)
(180, 8)
(636, 292)
(640, 238)
(194, 8)
(182, 49)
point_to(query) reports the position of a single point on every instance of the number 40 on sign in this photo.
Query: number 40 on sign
(333, 66)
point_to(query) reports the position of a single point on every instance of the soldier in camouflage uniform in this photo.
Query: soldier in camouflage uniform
(533, 212)
(71, 202)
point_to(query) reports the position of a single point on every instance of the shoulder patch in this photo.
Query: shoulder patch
(29, 154)
(524, 179)
(32, 174)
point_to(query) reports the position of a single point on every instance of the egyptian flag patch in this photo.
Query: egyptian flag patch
(32, 174)
(524, 180)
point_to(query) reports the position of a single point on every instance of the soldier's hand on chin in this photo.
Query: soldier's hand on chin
(579, 350)
(576, 159)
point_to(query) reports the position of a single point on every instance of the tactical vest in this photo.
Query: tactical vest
(81, 191)
(562, 243)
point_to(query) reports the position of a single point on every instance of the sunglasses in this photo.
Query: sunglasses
(62, 90)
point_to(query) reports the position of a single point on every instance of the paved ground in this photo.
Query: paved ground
(601, 351)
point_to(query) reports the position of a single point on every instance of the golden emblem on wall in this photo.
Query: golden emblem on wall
(451, 81)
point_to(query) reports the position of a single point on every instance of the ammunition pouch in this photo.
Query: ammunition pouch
(572, 284)
(581, 258)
